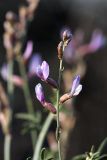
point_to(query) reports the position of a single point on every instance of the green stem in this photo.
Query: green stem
(42, 136)
(10, 88)
(27, 95)
(7, 143)
(58, 122)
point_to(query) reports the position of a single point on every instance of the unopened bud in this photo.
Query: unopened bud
(10, 16)
(67, 35)
(50, 107)
(64, 98)
(60, 50)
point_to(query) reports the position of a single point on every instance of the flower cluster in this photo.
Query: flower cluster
(42, 71)
(75, 90)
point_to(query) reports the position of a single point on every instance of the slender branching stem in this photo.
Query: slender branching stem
(25, 85)
(42, 136)
(27, 95)
(10, 89)
(58, 122)
(10, 86)
(7, 143)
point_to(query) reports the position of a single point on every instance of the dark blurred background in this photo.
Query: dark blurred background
(91, 106)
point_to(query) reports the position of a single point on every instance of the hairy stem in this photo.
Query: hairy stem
(58, 122)
(42, 136)
(27, 95)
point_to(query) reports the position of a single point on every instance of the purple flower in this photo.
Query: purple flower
(4, 72)
(39, 93)
(75, 90)
(35, 60)
(43, 73)
(69, 53)
(16, 80)
(76, 86)
(40, 96)
(97, 40)
(28, 51)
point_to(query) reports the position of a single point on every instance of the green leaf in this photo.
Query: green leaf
(93, 149)
(95, 155)
(29, 117)
(43, 152)
(29, 158)
(102, 145)
(45, 155)
(31, 122)
(29, 126)
(103, 157)
(79, 157)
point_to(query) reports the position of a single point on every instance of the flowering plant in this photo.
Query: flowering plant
(70, 49)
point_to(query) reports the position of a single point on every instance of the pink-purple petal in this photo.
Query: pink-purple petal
(39, 93)
(28, 50)
(63, 30)
(4, 72)
(69, 53)
(97, 41)
(75, 84)
(77, 90)
(39, 72)
(45, 69)
(35, 61)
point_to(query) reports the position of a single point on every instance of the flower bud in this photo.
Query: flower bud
(75, 90)
(60, 50)
(67, 35)
(10, 16)
(41, 97)
(64, 98)
(49, 107)
(42, 71)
